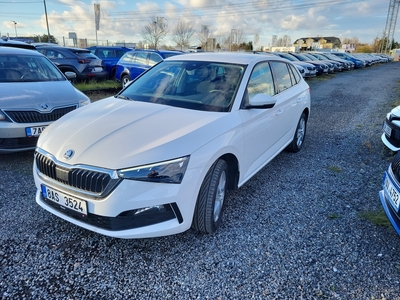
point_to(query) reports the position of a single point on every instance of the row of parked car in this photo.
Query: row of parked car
(311, 64)
(103, 62)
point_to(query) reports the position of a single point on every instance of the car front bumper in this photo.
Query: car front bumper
(134, 209)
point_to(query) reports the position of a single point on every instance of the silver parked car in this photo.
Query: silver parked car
(34, 93)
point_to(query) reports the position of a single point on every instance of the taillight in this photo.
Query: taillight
(84, 61)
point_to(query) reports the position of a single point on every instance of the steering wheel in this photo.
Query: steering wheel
(218, 91)
(27, 74)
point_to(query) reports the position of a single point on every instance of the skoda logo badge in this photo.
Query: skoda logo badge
(44, 106)
(69, 154)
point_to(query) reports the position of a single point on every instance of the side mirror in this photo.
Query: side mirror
(261, 101)
(70, 75)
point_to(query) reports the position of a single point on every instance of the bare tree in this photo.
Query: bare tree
(183, 34)
(284, 41)
(203, 35)
(155, 31)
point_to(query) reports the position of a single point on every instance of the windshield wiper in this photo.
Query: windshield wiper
(123, 97)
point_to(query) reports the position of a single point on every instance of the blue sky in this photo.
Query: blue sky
(123, 21)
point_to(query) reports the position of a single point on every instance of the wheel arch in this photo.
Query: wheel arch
(233, 170)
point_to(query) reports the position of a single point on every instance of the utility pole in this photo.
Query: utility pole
(390, 27)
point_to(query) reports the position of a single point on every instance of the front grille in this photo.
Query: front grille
(87, 180)
(394, 138)
(38, 117)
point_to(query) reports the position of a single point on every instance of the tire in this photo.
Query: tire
(299, 135)
(211, 199)
(125, 79)
(112, 76)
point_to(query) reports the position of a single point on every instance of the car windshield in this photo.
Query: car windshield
(288, 56)
(22, 68)
(199, 85)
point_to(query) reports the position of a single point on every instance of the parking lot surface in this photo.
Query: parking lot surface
(294, 231)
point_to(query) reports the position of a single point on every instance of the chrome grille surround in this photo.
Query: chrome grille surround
(86, 180)
(33, 116)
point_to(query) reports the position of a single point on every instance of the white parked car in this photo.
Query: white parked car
(157, 158)
(34, 93)
(391, 130)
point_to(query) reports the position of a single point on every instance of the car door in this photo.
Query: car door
(139, 64)
(288, 98)
(260, 125)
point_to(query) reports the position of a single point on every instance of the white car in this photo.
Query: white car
(157, 158)
(391, 130)
(34, 93)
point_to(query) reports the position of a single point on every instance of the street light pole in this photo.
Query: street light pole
(47, 21)
(15, 26)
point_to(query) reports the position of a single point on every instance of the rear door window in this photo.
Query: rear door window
(282, 76)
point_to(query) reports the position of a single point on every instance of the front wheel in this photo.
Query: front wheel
(299, 135)
(211, 199)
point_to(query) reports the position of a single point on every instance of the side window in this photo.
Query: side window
(100, 53)
(261, 81)
(128, 58)
(154, 59)
(119, 53)
(282, 76)
(54, 54)
(141, 58)
(296, 75)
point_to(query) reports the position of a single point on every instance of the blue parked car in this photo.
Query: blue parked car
(390, 194)
(358, 63)
(135, 62)
(110, 56)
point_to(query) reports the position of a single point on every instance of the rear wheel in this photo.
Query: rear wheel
(211, 199)
(299, 135)
(125, 79)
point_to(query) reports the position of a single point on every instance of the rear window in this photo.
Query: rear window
(87, 55)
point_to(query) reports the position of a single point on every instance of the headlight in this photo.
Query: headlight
(171, 171)
(2, 116)
(83, 103)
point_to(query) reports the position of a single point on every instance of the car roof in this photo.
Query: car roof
(46, 44)
(158, 51)
(5, 42)
(110, 47)
(225, 57)
(18, 51)
(58, 47)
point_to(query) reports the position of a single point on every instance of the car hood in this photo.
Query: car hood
(114, 133)
(42, 96)
(395, 111)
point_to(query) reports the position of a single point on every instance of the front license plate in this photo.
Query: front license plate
(34, 131)
(64, 200)
(392, 193)
(387, 129)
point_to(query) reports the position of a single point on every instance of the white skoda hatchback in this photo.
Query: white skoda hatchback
(158, 158)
